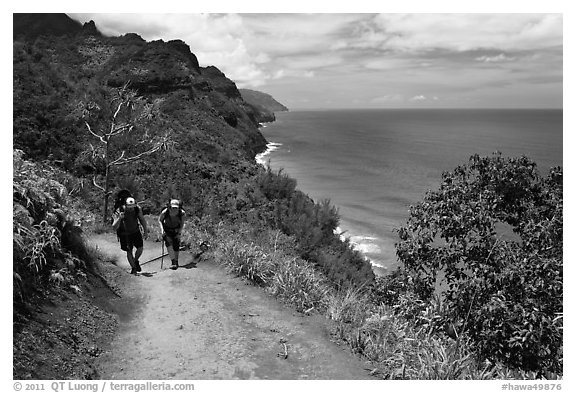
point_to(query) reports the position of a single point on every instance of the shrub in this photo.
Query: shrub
(287, 277)
(47, 244)
(313, 227)
(276, 185)
(506, 294)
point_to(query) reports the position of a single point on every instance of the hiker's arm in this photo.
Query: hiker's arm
(117, 219)
(143, 222)
(160, 219)
(182, 221)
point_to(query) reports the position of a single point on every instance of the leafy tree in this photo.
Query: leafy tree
(491, 241)
(112, 123)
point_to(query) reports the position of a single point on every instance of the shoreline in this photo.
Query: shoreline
(365, 248)
(270, 147)
(356, 240)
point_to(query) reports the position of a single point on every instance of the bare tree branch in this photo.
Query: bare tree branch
(93, 133)
(120, 129)
(128, 110)
(115, 162)
(121, 160)
(117, 110)
(97, 185)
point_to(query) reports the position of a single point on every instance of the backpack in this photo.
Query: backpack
(167, 222)
(130, 222)
(120, 199)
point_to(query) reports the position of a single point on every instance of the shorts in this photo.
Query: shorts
(172, 240)
(130, 240)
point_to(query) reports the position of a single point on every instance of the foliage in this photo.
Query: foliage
(313, 225)
(503, 289)
(47, 243)
(40, 109)
(283, 275)
(113, 124)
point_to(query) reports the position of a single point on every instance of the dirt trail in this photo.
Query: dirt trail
(203, 323)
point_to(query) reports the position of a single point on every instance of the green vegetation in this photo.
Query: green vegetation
(504, 293)
(115, 122)
(48, 247)
(496, 312)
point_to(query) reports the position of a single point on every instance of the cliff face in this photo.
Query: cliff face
(263, 100)
(262, 103)
(156, 70)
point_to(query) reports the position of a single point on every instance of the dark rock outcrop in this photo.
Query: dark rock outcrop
(89, 28)
(34, 25)
(158, 68)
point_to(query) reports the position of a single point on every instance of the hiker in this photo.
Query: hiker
(171, 222)
(126, 220)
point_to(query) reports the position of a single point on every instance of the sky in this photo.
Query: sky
(371, 60)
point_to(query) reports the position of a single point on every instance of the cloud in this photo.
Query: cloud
(387, 99)
(216, 39)
(495, 59)
(463, 32)
(249, 49)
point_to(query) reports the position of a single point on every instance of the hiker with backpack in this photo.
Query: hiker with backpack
(171, 222)
(127, 220)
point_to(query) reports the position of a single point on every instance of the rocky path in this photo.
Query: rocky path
(203, 323)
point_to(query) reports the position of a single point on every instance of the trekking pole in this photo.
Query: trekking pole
(162, 261)
(153, 259)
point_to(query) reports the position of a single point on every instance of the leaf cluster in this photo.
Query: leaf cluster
(47, 244)
(490, 240)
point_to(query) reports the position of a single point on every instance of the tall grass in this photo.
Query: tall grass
(406, 339)
(195, 237)
(48, 247)
(287, 277)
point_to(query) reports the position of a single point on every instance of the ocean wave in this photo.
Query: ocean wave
(270, 147)
(366, 248)
(365, 244)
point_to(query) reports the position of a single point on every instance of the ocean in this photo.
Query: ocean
(373, 164)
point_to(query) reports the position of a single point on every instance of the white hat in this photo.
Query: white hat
(130, 201)
(174, 203)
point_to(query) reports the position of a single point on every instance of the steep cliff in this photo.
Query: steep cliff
(65, 55)
(263, 100)
(263, 103)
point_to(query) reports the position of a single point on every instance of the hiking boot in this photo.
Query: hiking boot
(137, 268)
(174, 265)
(133, 271)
